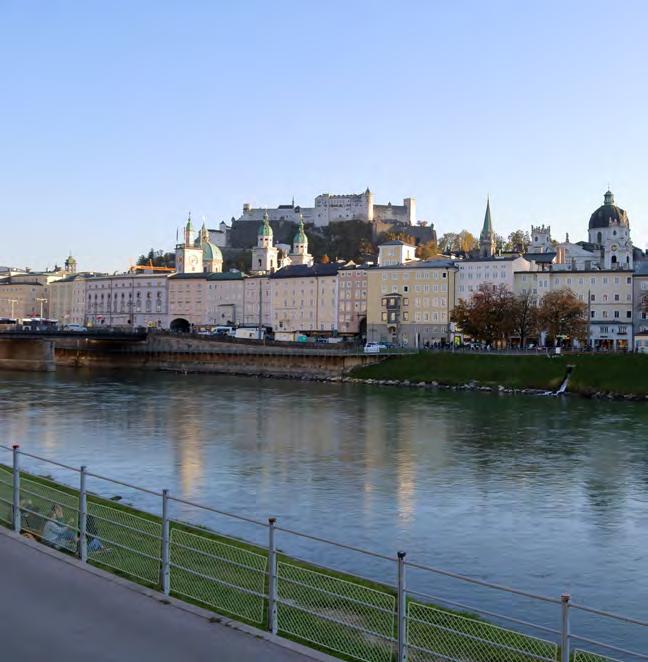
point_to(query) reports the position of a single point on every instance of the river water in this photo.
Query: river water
(544, 494)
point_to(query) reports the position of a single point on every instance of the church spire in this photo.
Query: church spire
(487, 236)
(487, 229)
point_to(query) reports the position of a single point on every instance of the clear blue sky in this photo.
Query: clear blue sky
(116, 118)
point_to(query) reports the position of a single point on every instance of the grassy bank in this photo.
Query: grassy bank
(340, 613)
(593, 373)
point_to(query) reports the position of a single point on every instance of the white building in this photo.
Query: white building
(127, 300)
(334, 208)
(395, 252)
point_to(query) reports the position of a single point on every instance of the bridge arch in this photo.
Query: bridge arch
(181, 325)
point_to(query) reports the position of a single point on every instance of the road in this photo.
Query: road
(52, 609)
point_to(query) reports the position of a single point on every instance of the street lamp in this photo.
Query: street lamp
(42, 301)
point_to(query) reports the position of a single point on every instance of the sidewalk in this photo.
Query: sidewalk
(54, 608)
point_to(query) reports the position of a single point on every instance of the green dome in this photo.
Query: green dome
(211, 252)
(300, 237)
(264, 229)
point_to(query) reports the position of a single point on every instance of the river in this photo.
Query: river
(544, 494)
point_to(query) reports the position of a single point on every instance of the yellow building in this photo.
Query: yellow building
(410, 303)
(304, 298)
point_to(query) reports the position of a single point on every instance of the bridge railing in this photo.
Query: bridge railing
(350, 601)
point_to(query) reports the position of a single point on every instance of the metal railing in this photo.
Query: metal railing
(352, 615)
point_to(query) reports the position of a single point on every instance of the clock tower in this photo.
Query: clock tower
(189, 258)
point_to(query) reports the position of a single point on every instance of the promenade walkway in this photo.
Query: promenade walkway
(53, 608)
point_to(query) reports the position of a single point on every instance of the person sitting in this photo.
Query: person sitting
(94, 544)
(56, 533)
(32, 520)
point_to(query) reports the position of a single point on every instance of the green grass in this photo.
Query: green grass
(593, 373)
(334, 596)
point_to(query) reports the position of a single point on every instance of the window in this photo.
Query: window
(384, 317)
(405, 288)
(616, 314)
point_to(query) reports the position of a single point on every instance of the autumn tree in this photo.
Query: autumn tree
(524, 317)
(427, 250)
(448, 243)
(486, 315)
(518, 241)
(562, 315)
(325, 259)
(397, 236)
(466, 241)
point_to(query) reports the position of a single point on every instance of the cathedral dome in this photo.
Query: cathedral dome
(608, 213)
(211, 252)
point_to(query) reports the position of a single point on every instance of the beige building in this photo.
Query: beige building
(225, 298)
(67, 298)
(304, 299)
(188, 303)
(25, 294)
(608, 295)
(257, 301)
(410, 303)
(353, 287)
(127, 300)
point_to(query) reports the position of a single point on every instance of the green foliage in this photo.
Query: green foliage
(157, 258)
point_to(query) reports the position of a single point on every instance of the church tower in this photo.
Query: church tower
(189, 257)
(300, 254)
(70, 264)
(541, 240)
(609, 231)
(264, 254)
(487, 236)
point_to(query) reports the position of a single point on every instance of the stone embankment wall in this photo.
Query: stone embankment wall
(36, 355)
(190, 354)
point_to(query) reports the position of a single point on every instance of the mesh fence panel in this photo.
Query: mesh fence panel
(438, 632)
(124, 541)
(218, 574)
(6, 496)
(586, 656)
(49, 514)
(340, 615)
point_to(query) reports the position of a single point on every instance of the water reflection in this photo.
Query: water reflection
(543, 493)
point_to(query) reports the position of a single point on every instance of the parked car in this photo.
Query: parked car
(75, 327)
(374, 347)
(223, 331)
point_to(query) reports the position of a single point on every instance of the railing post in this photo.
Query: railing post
(402, 609)
(165, 569)
(564, 629)
(272, 576)
(16, 488)
(83, 516)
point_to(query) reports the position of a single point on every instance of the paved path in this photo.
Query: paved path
(52, 609)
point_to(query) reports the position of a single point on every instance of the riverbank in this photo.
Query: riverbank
(623, 376)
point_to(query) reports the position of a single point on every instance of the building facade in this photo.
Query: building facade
(410, 304)
(127, 300)
(353, 287)
(304, 299)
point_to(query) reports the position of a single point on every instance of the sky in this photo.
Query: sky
(117, 118)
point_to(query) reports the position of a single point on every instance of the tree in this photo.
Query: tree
(518, 241)
(397, 236)
(563, 316)
(325, 259)
(427, 250)
(524, 317)
(466, 241)
(487, 315)
(448, 243)
(157, 259)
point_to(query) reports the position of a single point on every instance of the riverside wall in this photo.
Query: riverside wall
(34, 355)
(198, 355)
